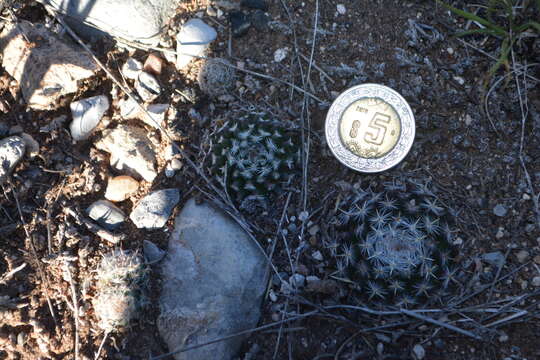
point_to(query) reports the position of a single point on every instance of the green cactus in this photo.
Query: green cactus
(254, 156)
(396, 245)
(121, 281)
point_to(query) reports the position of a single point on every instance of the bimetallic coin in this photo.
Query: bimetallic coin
(370, 128)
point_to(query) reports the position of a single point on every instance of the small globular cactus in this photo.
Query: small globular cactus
(396, 245)
(254, 156)
(121, 282)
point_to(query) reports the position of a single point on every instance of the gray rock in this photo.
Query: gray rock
(418, 352)
(45, 72)
(130, 150)
(536, 281)
(500, 210)
(214, 278)
(152, 253)
(132, 68)
(495, 258)
(86, 115)
(106, 214)
(522, 256)
(193, 40)
(153, 211)
(147, 86)
(11, 151)
(135, 20)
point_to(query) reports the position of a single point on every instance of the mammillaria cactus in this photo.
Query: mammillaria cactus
(254, 156)
(396, 245)
(121, 279)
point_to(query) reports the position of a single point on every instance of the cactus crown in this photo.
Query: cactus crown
(396, 244)
(254, 156)
(121, 281)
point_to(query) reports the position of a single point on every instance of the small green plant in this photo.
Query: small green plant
(395, 246)
(121, 282)
(505, 20)
(254, 155)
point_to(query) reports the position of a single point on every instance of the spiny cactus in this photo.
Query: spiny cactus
(217, 77)
(121, 281)
(254, 156)
(396, 245)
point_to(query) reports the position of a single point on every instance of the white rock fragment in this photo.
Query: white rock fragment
(106, 214)
(132, 68)
(11, 151)
(45, 67)
(419, 352)
(341, 9)
(130, 150)
(193, 40)
(280, 54)
(86, 115)
(147, 86)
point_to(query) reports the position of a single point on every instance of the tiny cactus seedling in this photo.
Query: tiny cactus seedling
(121, 279)
(254, 156)
(217, 77)
(396, 245)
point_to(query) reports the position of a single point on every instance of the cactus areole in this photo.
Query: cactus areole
(396, 245)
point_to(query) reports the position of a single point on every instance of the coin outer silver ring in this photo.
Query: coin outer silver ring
(353, 161)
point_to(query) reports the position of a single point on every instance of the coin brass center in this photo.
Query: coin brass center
(370, 127)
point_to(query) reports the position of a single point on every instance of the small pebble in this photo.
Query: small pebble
(106, 214)
(419, 352)
(87, 114)
(147, 86)
(537, 259)
(11, 151)
(500, 233)
(152, 253)
(132, 68)
(297, 280)
(32, 146)
(121, 188)
(522, 256)
(536, 281)
(500, 210)
(280, 54)
(153, 64)
(503, 338)
(341, 9)
(317, 256)
(240, 23)
(153, 211)
(193, 40)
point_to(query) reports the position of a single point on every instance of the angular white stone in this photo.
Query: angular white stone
(11, 151)
(86, 115)
(193, 39)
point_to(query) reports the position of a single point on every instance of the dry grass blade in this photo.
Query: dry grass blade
(416, 315)
(41, 272)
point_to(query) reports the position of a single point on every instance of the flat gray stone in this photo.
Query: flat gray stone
(130, 150)
(152, 253)
(106, 214)
(214, 278)
(193, 40)
(11, 151)
(500, 210)
(45, 67)
(495, 258)
(134, 20)
(153, 211)
(86, 115)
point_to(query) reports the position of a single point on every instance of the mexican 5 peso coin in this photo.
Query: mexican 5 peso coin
(370, 128)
